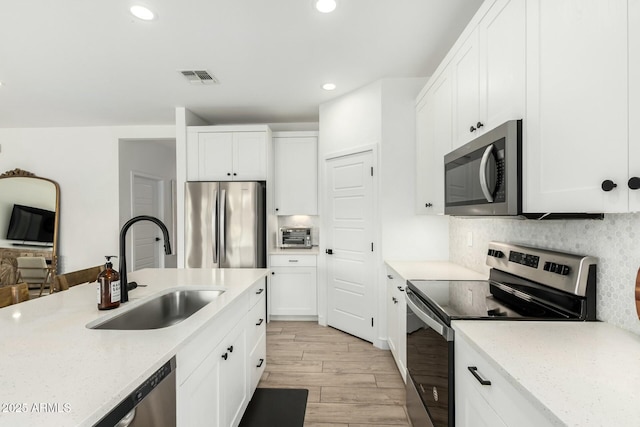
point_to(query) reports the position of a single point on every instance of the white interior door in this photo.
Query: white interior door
(350, 267)
(146, 237)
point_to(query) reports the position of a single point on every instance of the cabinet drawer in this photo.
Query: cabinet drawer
(256, 323)
(509, 403)
(257, 292)
(258, 361)
(293, 260)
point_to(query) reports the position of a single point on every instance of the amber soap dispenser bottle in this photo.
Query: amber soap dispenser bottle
(108, 286)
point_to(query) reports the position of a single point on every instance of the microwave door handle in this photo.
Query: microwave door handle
(483, 174)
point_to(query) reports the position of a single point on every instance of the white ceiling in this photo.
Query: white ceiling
(89, 62)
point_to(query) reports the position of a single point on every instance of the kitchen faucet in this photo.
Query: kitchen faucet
(124, 289)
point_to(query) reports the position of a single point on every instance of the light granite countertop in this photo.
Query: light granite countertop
(294, 251)
(60, 373)
(578, 373)
(434, 270)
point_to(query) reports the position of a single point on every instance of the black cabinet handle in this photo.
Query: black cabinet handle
(259, 322)
(472, 129)
(634, 183)
(400, 288)
(225, 356)
(260, 290)
(479, 125)
(389, 276)
(608, 185)
(276, 209)
(235, 174)
(228, 173)
(260, 363)
(329, 251)
(474, 371)
(395, 301)
(230, 348)
(429, 205)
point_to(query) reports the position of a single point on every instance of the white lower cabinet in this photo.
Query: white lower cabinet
(216, 370)
(293, 286)
(496, 404)
(396, 320)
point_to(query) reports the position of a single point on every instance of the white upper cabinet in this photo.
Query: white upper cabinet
(224, 154)
(634, 105)
(296, 173)
(576, 131)
(433, 141)
(489, 72)
(502, 63)
(466, 91)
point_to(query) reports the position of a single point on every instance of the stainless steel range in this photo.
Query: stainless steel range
(524, 284)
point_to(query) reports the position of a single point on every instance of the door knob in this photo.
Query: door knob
(634, 183)
(608, 185)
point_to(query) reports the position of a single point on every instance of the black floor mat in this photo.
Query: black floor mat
(276, 407)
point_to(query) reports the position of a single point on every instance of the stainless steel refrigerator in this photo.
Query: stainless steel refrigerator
(225, 224)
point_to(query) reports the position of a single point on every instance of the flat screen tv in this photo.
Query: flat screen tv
(29, 224)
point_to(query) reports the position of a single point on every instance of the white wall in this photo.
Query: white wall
(382, 115)
(405, 235)
(84, 162)
(153, 158)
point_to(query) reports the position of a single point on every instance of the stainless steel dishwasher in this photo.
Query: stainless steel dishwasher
(153, 403)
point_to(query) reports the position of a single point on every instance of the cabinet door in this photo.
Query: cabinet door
(502, 34)
(472, 410)
(215, 150)
(634, 101)
(392, 318)
(466, 91)
(296, 176)
(234, 381)
(250, 156)
(433, 141)
(576, 133)
(199, 397)
(293, 291)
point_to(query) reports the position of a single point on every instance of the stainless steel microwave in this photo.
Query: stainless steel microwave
(484, 176)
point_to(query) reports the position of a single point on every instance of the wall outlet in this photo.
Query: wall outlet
(470, 239)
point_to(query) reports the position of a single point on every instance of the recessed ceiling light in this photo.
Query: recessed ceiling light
(142, 12)
(328, 86)
(325, 6)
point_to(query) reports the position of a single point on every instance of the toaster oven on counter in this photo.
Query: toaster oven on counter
(294, 237)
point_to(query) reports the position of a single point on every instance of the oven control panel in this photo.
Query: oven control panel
(563, 271)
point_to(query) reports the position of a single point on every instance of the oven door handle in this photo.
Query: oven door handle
(430, 320)
(483, 174)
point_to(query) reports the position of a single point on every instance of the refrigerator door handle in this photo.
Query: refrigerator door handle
(221, 230)
(214, 229)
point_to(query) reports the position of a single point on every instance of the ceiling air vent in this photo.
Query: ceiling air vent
(199, 77)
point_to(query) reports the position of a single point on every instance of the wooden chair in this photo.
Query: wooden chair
(36, 271)
(73, 278)
(13, 294)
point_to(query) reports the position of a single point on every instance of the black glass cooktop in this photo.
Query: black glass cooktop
(481, 299)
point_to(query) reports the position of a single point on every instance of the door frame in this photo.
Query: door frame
(161, 213)
(379, 313)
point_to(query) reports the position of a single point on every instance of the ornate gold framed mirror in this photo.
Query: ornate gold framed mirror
(29, 216)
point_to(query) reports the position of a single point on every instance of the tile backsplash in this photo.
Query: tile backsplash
(613, 241)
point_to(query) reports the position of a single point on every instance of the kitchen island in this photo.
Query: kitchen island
(56, 371)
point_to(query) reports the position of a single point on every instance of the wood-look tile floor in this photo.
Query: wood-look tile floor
(351, 383)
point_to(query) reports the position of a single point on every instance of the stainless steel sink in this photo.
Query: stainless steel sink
(161, 311)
